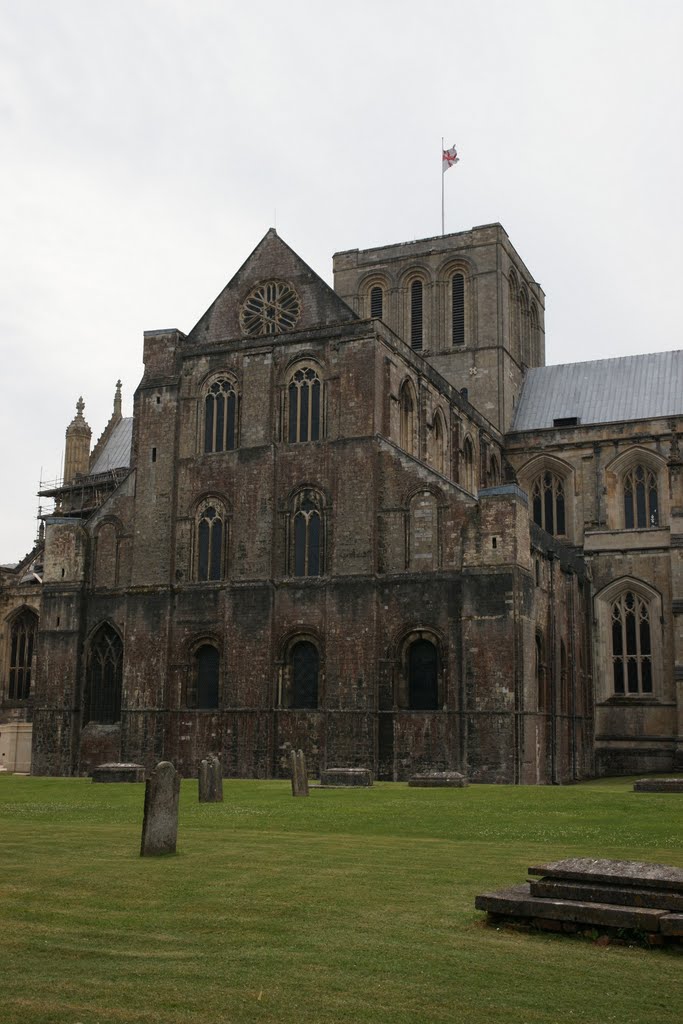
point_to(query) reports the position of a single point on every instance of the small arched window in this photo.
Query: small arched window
(468, 465)
(210, 538)
(408, 403)
(304, 405)
(304, 667)
(220, 416)
(458, 308)
(416, 315)
(307, 535)
(439, 443)
(104, 677)
(423, 676)
(22, 646)
(631, 645)
(204, 678)
(641, 507)
(376, 302)
(548, 500)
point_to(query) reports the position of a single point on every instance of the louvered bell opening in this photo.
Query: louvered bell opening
(416, 315)
(458, 300)
(376, 299)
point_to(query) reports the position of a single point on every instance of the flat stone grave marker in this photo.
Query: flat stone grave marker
(435, 780)
(658, 785)
(160, 822)
(118, 772)
(343, 777)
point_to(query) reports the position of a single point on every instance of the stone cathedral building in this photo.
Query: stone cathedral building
(369, 523)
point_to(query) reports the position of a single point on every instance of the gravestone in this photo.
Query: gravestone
(297, 767)
(160, 822)
(118, 772)
(210, 779)
(342, 777)
(659, 785)
(431, 780)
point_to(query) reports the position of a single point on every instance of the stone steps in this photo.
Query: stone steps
(611, 896)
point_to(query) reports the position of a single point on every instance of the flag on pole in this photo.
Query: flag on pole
(449, 157)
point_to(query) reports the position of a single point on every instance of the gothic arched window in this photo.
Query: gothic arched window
(408, 403)
(513, 313)
(439, 443)
(416, 314)
(22, 646)
(468, 465)
(210, 540)
(524, 325)
(304, 667)
(204, 672)
(220, 416)
(548, 501)
(534, 351)
(631, 645)
(307, 535)
(304, 405)
(641, 507)
(104, 677)
(423, 676)
(376, 302)
(458, 309)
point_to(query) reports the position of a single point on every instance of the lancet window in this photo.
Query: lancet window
(220, 416)
(304, 396)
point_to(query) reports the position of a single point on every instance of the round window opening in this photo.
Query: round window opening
(271, 308)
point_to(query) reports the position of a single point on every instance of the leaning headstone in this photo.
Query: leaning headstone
(299, 775)
(210, 780)
(160, 823)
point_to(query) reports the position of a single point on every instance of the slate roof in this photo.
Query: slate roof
(602, 391)
(116, 452)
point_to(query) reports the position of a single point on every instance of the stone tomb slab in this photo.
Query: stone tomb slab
(344, 777)
(118, 772)
(518, 902)
(631, 873)
(602, 892)
(437, 780)
(658, 785)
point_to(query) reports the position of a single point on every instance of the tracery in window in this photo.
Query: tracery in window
(458, 309)
(307, 548)
(220, 416)
(631, 645)
(416, 314)
(204, 678)
(548, 501)
(641, 507)
(104, 677)
(376, 302)
(22, 646)
(210, 538)
(408, 403)
(304, 405)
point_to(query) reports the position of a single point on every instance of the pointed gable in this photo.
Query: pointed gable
(311, 302)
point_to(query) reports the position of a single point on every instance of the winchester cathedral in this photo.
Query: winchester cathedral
(369, 523)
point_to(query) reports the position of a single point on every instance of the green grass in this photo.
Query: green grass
(348, 906)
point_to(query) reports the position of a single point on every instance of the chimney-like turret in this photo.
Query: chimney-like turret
(77, 449)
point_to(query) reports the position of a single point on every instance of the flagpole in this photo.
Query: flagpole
(442, 176)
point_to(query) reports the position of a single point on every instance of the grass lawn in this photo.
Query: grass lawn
(348, 906)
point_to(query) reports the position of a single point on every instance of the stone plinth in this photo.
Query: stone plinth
(658, 785)
(115, 772)
(432, 780)
(346, 777)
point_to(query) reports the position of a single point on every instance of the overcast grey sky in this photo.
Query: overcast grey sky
(147, 145)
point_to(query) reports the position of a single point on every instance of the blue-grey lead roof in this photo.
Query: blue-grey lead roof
(116, 453)
(602, 391)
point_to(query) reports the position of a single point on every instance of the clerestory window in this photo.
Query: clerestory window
(548, 502)
(220, 416)
(641, 507)
(304, 396)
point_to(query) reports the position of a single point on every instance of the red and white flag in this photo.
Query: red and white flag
(449, 157)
